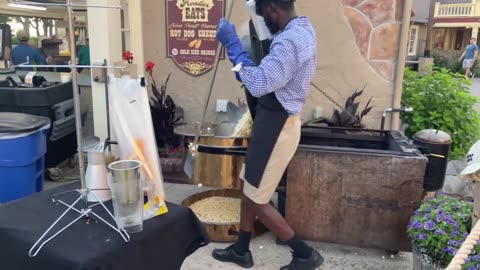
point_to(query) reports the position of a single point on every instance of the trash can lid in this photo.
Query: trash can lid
(20, 122)
(433, 136)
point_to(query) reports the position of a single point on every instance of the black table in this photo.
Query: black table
(163, 245)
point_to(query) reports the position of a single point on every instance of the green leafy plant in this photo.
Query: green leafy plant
(438, 229)
(449, 59)
(442, 100)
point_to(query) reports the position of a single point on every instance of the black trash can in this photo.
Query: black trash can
(435, 145)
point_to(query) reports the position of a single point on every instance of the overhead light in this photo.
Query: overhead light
(27, 7)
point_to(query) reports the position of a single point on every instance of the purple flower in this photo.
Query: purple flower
(417, 225)
(440, 213)
(465, 235)
(422, 236)
(472, 268)
(417, 212)
(428, 210)
(449, 250)
(429, 225)
(456, 207)
(453, 243)
(455, 233)
(439, 218)
(427, 216)
(439, 231)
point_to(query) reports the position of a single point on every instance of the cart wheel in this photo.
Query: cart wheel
(392, 252)
(54, 174)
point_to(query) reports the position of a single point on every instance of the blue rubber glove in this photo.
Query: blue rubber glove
(227, 35)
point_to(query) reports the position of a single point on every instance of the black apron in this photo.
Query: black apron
(269, 118)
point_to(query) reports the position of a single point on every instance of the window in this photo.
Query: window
(413, 40)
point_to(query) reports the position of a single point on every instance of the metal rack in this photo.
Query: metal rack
(86, 210)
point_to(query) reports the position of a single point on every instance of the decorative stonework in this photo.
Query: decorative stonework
(384, 68)
(378, 13)
(384, 42)
(375, 24)
(361, 27)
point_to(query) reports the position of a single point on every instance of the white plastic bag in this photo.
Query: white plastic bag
(132, 122)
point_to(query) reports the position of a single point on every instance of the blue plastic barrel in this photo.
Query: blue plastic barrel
(23, 144)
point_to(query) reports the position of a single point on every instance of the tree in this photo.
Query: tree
(25, 21)
(5, 19)
(36, 25)
(47, 27)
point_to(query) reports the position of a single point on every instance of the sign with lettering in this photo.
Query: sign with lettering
(191, 33)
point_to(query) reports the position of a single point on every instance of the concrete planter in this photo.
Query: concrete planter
(419, 261)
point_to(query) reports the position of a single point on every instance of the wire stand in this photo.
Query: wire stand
(85, 210)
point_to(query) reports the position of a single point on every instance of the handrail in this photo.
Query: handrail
(455, 10)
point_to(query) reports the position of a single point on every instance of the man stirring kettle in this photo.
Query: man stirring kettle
(280, 85)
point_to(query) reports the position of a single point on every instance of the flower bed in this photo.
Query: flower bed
(438, 228)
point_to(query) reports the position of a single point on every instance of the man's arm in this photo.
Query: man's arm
(39, 59)
(476, 53)
(463, 54)
(273, 73)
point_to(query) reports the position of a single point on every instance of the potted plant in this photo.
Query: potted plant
(349, 116)
(165, 115)
(437, 230)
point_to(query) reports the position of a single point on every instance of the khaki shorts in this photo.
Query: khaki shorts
(283, 152)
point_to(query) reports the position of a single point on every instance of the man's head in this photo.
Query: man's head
(23, 36)
(473, 40)
(276, 13)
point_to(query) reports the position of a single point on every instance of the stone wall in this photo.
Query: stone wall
(357, 46)
(454, 185)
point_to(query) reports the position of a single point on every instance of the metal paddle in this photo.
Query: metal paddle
(189, 166)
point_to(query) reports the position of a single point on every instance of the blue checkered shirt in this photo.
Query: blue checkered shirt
(289, 67)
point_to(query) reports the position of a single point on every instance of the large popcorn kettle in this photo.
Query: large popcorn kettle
(220, 155)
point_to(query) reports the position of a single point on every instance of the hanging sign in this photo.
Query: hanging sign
(191, 33)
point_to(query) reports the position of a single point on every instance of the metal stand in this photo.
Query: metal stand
(83, 192)
(83, 212)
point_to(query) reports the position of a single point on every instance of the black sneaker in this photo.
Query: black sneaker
(230, 255)
(311, 263)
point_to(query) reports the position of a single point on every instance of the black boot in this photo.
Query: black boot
(230, 255)
(311, 263)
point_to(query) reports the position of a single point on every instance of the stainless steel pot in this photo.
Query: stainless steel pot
(219, 159)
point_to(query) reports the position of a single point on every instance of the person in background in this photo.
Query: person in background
(84, 55)
(470, 54)
(24, 50)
